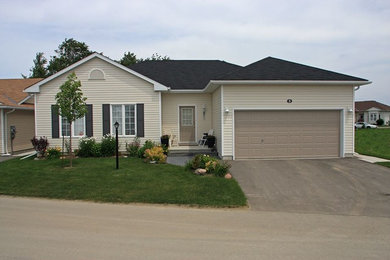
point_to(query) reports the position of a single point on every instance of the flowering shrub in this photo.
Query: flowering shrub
(85, 147)
(200, 161)
(53, 153)
(96, 150)
(133, 147)
(211, 164)
(108, 145)
(155, 154)
(40, 145)
(149, 144)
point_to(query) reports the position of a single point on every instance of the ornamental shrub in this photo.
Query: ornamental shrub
(53, 153)
(155, 154)
(96, 150)
(40, 145)
(85, 147)
(133, 147)
(380, 121)
(149, 144)
(211, 164)
(200, 161)
(108, 145)
(221, 168)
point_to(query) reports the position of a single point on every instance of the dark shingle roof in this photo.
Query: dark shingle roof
(196, 74)
(184, 74)
(365, 105)
(276, 69)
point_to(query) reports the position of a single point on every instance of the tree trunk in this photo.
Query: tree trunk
(70, 145)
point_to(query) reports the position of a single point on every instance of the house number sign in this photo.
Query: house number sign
(289, 100)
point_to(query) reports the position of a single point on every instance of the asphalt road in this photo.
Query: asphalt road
(53, 229)
(328, 186)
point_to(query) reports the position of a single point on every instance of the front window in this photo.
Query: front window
(125, 116)
(373, 117)
(78, 127)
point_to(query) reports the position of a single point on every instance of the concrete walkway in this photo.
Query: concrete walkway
(53, 229)
(178, 160)
(370, 159)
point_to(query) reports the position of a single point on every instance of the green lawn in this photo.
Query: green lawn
(387, 164)
(374, 142)
(95, 179)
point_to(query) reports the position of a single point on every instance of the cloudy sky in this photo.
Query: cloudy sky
(351, 37)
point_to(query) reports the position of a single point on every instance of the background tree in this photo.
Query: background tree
(154, 57)
(39, 70)
(128, 59)
(70, 104)
(68, 52)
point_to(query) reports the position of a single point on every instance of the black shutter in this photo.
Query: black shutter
(88, 121)
(106, 119)
(140, 120)
(55, 123)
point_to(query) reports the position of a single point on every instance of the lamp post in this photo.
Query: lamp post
(116, 144)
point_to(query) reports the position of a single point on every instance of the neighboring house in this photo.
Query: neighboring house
(16, 111)
(370, 111)
(269, 109)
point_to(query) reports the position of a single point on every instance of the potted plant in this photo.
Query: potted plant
(210, 141)
(165, 140)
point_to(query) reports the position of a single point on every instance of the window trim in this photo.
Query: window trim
(77, 136)
(192, 116)
(112, 128)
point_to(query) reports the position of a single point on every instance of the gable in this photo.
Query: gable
(116, 83)
(36, 87)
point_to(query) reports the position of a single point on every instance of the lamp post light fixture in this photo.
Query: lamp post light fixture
(116, 144)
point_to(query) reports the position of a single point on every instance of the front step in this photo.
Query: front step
(191, 152)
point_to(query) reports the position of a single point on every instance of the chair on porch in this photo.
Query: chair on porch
(204, 137)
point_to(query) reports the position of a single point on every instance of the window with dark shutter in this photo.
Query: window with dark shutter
(55, 126)
(140, 120)
(89, 121)
(106, 119)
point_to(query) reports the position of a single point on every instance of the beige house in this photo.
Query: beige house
(269, 109)
(16, 112)
(370, 111)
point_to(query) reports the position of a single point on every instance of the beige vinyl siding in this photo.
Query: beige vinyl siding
(23, 120)
(275, 97)
(216, 119)
(118, 87)
(170, 110)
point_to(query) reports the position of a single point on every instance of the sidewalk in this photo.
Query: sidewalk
(370, 159)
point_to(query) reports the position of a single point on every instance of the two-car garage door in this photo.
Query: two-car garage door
(286, 134)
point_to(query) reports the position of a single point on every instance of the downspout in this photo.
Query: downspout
(2, 130)
(6, 131)
(354, 118)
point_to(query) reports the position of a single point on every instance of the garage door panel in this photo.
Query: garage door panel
(279, 134)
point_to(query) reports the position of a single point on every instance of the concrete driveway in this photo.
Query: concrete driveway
(331, 186)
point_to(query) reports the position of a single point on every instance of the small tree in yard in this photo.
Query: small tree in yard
(70, 104)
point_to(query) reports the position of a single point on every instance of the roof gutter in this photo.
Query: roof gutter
(17, 108)
(214, 83)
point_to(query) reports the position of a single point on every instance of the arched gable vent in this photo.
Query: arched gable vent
(96, 74)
